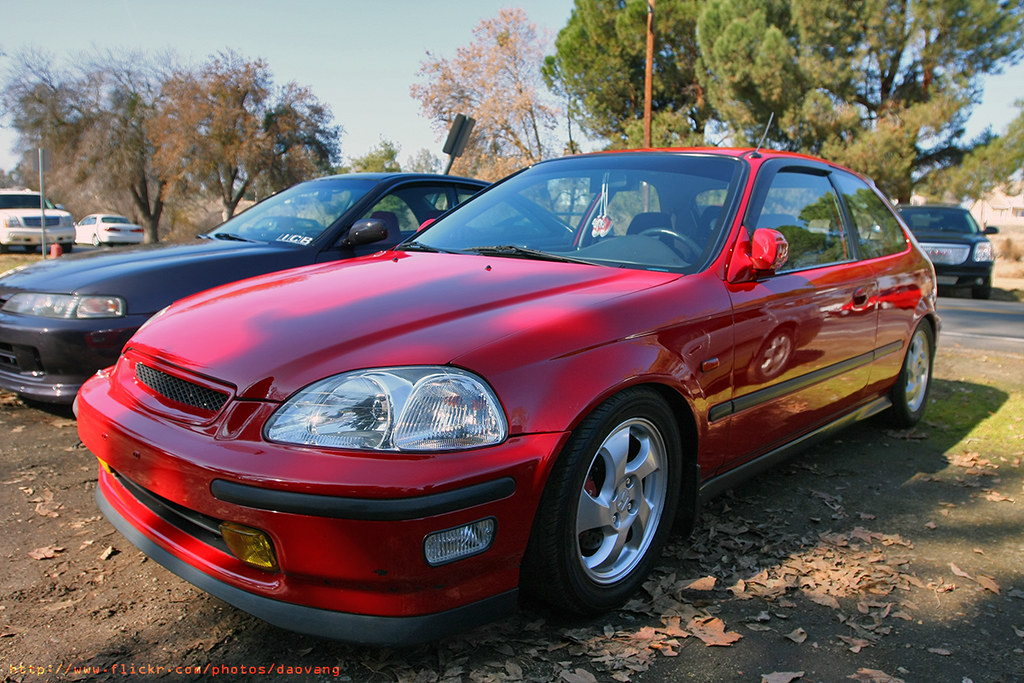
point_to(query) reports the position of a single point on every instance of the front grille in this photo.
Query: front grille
(180, 390)
(36, 221)
(946, 254)
(20, 358)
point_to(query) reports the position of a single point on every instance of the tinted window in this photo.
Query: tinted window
(23, 201)
(805, 209)
(878, 231)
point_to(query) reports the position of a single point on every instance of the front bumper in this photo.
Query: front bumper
(964, 275)
(348, 528)
(48, 360)
(33, 237)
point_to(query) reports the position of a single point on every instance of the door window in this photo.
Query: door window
(805, 209)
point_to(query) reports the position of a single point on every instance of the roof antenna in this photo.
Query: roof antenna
(756, 153)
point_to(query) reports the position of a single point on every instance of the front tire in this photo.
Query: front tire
(910, 393)
(608, 506)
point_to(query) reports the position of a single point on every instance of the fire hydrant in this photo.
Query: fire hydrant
(56, 251)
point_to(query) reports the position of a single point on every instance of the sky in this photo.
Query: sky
(358, 56)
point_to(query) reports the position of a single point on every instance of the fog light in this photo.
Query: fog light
(449, 545)
(249, 545)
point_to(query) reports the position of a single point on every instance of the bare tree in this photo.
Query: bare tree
(496, 80)
(96, 118)
(226, 130)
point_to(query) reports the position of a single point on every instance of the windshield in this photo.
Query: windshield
(297, 215)
(940, 219)
(659, 211)
(23, 201)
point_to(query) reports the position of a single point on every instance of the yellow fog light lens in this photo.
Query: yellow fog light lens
(464, 541)
(251, 546)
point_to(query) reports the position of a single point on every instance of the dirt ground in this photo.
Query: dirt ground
(880, 556)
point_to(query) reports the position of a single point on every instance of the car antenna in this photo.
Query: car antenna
(756, 154)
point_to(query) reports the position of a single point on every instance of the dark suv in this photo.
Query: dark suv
(962, 255)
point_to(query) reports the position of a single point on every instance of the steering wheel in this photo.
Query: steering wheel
(688, 249)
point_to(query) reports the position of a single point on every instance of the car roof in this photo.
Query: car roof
(397, 175)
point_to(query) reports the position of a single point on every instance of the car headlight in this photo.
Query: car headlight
(12, 222)
(983, 252)
(392, 409)
(65, 306)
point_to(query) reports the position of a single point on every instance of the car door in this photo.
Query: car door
(805, 334)
(883, 244)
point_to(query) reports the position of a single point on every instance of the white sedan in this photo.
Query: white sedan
(107, 228)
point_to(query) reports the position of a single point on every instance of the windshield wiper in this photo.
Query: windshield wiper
(523, 252)
(231, 237)
(419, 246)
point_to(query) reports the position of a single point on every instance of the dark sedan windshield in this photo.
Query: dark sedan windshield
(632, 210)
(297, 215)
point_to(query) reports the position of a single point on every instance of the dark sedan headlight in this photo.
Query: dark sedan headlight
(417, 409)
(66, 306)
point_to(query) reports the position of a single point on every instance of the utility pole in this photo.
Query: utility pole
(649, 74)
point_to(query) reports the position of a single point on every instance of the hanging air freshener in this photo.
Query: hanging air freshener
(602, 224)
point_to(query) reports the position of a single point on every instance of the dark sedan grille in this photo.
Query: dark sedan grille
(180, 390)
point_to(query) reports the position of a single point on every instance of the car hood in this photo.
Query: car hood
(151, 276)
(272, 335)
(949, 237)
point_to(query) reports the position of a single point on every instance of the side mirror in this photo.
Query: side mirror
(769, 250)
(365, 231)
(991, 230)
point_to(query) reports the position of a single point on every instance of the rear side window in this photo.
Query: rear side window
(805, 209)
(878, 231)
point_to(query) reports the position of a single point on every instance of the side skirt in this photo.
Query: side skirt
(727, 480)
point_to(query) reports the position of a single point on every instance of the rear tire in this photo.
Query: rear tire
(910, 393)
(608, 506)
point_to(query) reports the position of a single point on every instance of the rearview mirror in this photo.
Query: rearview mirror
(365, 231)
(769, 249)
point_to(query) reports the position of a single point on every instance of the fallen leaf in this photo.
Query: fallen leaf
(705, 584)
(781, 676)
(712, 631)
(823, 599)
(798, 635)
(987, 583)
(578, 676)
(874, 676)
(856, 644)
(45, 553)
(959, 572)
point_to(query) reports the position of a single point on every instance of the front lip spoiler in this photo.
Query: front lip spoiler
(361, 629)
(363, 509)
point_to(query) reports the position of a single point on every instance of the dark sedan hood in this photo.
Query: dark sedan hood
(270, 336)
(150, 277)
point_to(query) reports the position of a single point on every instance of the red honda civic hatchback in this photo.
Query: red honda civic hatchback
(526, 395)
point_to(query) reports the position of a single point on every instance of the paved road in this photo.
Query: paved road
(982, 324)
